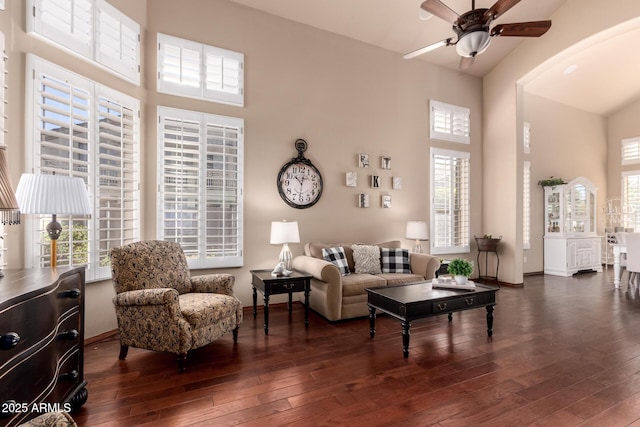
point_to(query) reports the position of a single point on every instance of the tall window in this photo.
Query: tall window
(188, 68)
(450, 198)
(630, 151)
(200, 167)
(93, 29)
(526, 137)
(526, 206)
(450, 122)
(631, 198)
(80, 128)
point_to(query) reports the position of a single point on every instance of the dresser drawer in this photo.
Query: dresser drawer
(69, 292)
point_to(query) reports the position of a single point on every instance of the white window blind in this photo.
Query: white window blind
(449, 122)
(83, 129)
(631, 199)
(450, 201)
(526, 137)
(3, 88)
(526, 206)
(200, 163)
(193, 69)
(93, 29)
(631, 151)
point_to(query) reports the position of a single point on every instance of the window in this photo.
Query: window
(188, 68)
(450, 211)
(526, 206)
(449, 122)
(631, 199)
(631, 151)
(80, 128)
(526, 137)
(93, 29)
(200, 169)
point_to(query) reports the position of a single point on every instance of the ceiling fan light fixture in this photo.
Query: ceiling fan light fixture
(472, 43)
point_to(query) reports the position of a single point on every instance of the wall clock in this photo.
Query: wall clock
(299, 181)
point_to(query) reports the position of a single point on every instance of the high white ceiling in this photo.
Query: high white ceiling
(604, 79)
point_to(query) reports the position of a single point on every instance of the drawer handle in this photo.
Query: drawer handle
(469, 301)
(442, 306)
(68, 335)
(288, 286)
(71, 293)
(9, 341)
(72, 375)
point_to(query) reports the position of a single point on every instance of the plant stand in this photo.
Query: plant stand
(487, 245)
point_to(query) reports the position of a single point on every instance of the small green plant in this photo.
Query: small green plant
(551, 182)
(460, 267)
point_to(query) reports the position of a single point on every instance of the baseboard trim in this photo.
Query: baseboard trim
(105, 336)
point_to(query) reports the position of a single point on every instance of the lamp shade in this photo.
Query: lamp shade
(417, 230)
(52, 195)
(473, 43)
(9, 211)
(284, 232)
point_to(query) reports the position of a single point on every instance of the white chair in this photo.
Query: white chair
(633, 255)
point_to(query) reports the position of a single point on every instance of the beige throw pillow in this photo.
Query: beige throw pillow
(366, 259)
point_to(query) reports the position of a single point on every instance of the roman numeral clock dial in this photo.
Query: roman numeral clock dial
(299, 181)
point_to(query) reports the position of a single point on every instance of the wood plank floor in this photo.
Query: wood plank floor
(565, 352)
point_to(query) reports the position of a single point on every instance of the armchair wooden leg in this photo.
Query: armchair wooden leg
(181, 358)
(235, 334)
(124, 349)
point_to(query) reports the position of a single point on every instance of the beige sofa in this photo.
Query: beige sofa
(336, 296)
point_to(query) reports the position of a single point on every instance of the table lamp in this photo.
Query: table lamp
(283, 232)
(417, 230)
(53, 195)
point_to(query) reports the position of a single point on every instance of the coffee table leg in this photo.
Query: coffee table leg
(490, 320)
(266, 313)
(372, 322)
(405, 338)
(255, 302)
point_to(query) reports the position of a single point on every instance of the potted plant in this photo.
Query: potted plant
(551, 182)
(461, 269)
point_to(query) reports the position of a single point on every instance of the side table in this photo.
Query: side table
(268, 285)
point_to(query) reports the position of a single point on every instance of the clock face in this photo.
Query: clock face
(300, 184)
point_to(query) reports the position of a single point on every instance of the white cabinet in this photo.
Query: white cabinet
(570, 241)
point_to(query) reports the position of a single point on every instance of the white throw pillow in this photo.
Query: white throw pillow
(366, 259)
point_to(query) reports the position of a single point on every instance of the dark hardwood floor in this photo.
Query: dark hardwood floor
(565, 352)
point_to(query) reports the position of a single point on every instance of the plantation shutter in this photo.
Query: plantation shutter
(631, 199)
(68, 22)
(224, 75)
(3, 88)
(450, 122)
(450, 217)
(118, 40)
(630, 151)
(118, 186)
(526, 137)
(526, 206)
(200, 166)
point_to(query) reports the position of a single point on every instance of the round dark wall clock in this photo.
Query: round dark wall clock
(299, 181)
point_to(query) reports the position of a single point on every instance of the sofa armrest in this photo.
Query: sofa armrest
(318, 268)
(424, 264)
(154, 296)
(220, 283)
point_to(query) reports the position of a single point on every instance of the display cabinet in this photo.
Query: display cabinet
(571, 244)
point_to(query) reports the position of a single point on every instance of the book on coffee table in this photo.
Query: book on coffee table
(451, 284)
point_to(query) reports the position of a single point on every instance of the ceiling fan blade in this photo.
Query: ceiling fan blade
(466, 62)
(439, 9)
(521, 29)
(500, 7)
(423, 50)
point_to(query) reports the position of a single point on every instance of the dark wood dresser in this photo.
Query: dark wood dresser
(41, 342)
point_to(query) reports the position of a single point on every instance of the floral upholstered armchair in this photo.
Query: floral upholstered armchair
(160, 307)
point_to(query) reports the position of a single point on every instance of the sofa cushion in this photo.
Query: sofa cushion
(336, 256)
(401, 278)
(395, 260)
(366, 259)
(204, 309)
(355, 284)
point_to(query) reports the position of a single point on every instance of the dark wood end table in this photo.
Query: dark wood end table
(268, 285)
(417, 301)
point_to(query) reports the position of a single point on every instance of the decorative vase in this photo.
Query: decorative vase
(460, 280)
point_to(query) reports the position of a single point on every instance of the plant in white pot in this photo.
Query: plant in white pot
(461, 270)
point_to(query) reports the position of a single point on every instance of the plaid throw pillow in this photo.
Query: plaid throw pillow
(337, 257)
(395, 260)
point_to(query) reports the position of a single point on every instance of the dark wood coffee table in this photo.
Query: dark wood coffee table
(419, 300)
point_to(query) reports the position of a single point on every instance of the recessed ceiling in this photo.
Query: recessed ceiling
(605, 78)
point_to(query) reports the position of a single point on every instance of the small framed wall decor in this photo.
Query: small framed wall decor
(386, 202)
(396, 183)
(385, 162)
(351, 179)
(363, 160)
(363, 200)
(375, 181)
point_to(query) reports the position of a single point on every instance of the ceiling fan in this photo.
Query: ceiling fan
(472, 28)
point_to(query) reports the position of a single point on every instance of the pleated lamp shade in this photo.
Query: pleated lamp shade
(9, 210)
(52, 195)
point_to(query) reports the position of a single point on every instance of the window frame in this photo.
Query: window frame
(628, 207)
(464, 226)
(450, 114)
(203, 120)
